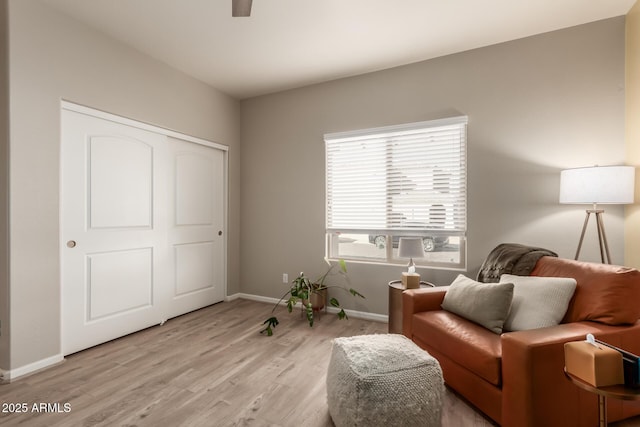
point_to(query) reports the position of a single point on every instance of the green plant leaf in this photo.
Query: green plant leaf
(342, 315)
(355, 293)
(291, 302)
(334, 302)
(271, 322)
(309, 314)
(343, 265)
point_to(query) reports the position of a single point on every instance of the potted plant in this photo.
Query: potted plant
(312, 295)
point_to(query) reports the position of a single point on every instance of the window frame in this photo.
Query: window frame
(459, 208)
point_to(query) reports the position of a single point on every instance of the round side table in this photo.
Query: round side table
(612, 391)
(395, 304)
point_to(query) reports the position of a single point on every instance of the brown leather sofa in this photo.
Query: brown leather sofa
(517, 378)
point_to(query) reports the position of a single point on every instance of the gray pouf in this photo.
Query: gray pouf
(383, 380)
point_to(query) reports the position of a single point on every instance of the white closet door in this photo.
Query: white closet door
(111, 229)
(196, 218)
(141, 217)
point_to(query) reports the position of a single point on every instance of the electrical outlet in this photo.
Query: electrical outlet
(285, 278)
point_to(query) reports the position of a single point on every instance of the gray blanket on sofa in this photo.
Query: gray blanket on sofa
(511, 258)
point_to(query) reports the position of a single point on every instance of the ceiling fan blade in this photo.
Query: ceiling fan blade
(241, 8)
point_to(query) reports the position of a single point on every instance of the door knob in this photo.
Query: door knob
(71, 244)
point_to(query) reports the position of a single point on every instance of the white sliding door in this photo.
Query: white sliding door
(142, 228)
(196, 220)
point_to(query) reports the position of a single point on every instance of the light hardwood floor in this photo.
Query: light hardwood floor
(206, 368)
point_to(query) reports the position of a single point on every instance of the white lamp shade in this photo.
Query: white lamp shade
(598, 184)
(410, 247)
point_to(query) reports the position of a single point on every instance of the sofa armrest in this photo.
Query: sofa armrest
(535, 390)
(533, 374)
(417, 300)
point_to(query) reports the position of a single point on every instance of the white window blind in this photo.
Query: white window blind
(400, 180)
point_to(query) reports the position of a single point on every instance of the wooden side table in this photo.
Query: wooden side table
(395, 304)
(612, 391)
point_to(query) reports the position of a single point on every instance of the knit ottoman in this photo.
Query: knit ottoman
(383, 380)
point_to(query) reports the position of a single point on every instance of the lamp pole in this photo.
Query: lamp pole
(602, 237)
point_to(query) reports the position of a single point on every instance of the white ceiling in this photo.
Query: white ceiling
(293, 43)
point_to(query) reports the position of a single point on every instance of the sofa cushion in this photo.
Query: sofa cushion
(487, 304)
(466, 343)
(538, 302)
(604, 293)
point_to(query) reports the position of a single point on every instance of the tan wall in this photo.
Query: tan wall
(4, 186)
(632, 133)
(535, 106)
(53, 57)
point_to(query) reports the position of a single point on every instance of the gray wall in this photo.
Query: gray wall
(535, 106)
(53, 57)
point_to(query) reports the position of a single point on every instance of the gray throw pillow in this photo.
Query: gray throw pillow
(486, 304)
(538, 302)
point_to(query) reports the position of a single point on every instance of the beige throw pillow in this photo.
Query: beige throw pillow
(538, 302)
(486, 304)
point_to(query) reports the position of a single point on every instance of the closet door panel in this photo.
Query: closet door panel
(196, 233)
(113, 230)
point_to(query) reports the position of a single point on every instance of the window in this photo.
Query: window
(406, 180)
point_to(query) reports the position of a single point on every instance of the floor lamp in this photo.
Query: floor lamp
(612, 185)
